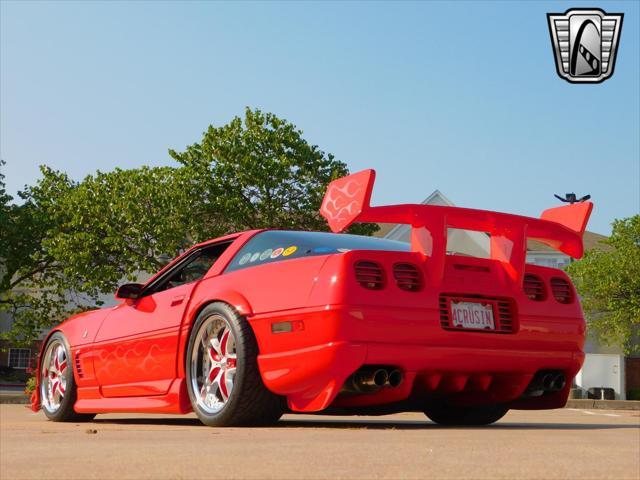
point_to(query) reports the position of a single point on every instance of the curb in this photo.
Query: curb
(604, 404)
(14, 399)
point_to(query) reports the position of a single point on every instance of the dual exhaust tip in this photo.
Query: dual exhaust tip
(372, 379)
(548, 381)
(553, 382)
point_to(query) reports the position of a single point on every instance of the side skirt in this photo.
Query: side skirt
(175, 401)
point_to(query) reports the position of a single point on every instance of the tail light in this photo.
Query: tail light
(561, 290)
(534, 287)
(407, 277)
(369, 274)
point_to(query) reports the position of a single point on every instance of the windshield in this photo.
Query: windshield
(278, 245)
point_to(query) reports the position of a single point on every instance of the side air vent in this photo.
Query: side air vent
(369, 274)
(79, 370)
(561, 290)
(534, 287)
(407, 277)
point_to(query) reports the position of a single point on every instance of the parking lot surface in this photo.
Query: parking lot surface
(563, 443)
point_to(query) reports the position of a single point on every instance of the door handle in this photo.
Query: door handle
(177, 300)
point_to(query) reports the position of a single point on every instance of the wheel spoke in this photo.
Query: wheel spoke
(215, 343)
(222, 384)
(52, 365)
(203, 392)
(213, 355)
(213, 374)
(230, 377)
(60, 358)
(224, 341)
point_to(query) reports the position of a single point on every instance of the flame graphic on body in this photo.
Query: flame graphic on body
(132, 360)
(346, 198)
(339, 203)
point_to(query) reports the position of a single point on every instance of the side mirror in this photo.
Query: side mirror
(129, 290)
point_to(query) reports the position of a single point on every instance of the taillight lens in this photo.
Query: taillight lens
(369, 274)
(534, 287)
(408, 277)
(561, 290)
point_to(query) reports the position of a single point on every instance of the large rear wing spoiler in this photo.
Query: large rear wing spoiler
(347, 201)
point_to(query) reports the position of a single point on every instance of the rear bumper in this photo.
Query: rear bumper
(309, 365)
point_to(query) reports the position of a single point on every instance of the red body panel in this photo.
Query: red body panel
(132, 357)
(354, 326)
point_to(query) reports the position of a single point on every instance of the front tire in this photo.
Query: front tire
(223, 380)
(58, 391)
(450, 415)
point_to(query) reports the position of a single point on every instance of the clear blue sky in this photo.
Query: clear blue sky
(462, 97)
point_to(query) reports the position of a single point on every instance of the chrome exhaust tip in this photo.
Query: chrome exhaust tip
(548, 381)
(371, 378)
(559, 382)
(395, 378)
(380, 377)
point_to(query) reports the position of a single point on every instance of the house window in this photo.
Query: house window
(19, 357)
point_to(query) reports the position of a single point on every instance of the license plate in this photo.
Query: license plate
(472, 315)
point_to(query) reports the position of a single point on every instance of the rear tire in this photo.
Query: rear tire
(450, 415)
(58, 392)
(223, 380)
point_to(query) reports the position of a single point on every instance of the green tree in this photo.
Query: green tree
(29, 292)
(22, 228)
(609, 285)
(117, 224)
(259, 172)
(22, 261)
(94, 233)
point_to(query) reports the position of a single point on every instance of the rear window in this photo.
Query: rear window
(277, 245)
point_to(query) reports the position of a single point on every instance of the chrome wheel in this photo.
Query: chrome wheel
(213, 364)
(53, 383)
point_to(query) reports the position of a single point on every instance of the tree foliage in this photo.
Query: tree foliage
(111, 226)
(22, 229)
(609, 285)
(259, 172)
(23, 260)
(68, 244)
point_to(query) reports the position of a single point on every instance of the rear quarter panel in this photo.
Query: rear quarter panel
(256, 292)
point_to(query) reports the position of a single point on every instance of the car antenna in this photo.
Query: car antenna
(571, 198)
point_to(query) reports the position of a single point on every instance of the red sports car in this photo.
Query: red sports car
(245, 327)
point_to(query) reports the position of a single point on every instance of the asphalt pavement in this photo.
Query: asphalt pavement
(557, 444)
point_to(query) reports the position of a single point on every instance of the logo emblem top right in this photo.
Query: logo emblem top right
(585, 43)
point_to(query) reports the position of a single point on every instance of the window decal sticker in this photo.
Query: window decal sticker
(289, 251)
(266, 254)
